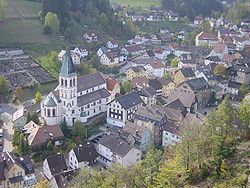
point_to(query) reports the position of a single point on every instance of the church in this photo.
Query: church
(75, 98)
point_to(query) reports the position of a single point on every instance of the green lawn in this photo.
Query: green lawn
(22, 9)
(137, 3)
(153, 27)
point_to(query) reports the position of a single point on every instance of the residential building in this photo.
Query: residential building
(206, 39)
(75, 98)
(109, 58)
(167, 86)
(219, 50)
(82, 156)
(81, 51)
(74, 55)
(162, 53)
(112, 44)
(197, 86)
(63, 179)
(113, 150)
(233, 88)
(148, 95)
(173, 17)
(19, 119)
(113, 88)
(156, 69)
(142, 136)
(182, 75)
(136, 72)
(170, 134)
(38, 136)
(239, 73)
(16, 172)
(133, 50)
(90, 37)
(123, 108)
(198, 20)
(54, 165)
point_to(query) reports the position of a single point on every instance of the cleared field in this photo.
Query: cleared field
(137, 3)
(22, 9)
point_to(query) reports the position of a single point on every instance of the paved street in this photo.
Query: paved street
(7, 131)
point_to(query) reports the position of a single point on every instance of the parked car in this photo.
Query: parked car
(1, 132)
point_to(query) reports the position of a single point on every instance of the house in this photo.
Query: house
(239, 73)
(166, 37)
(38, 136)
(206, 39)
(54, 165)
(81, 51)
(90, 37)
(123, 108)
(182, 75)
(148, 95)
(152, 118)
(208, 75)
(133, 50)
(241, 42)
(197, 86)
(16, 172)
(112, 44)
(182, 35)
(136, 72)
(139, 82)
(156, 84)
(19, 119)
(188, 100)
(109, 58)
(233, 88)
(155, 39)
(173, 17)
(142, 136)
(164, 30)
(63, 179)
(198, 20)
(170, 134)
(219, 50)
(113, 150)
(75, 98)
(156, 68)
(75, 57)
(187, 64)
(167, 86)
(113, 88)
(82, 156)
(162, 53)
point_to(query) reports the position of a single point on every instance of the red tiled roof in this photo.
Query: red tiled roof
(207, 36)
(157, 64)
(110, 84)
(219, 47)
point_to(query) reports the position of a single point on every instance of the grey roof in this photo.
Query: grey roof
(176, 104)
(209, 75)
(214, 58)
(234, 85)
(16, 179)
(64, 179)
(137, 68)
(155, 83)
(129, 100)
(57, 164)
(148, 92)
(2, 168)
(68, 67)
(86, 152)
(170, 126)
(197, 84)
(50, 102)
(187, 99)
(89, 81)
(155, 113)
(115, 144)
(92, 96)
(187, 72)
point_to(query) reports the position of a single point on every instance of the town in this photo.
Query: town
(109, 105)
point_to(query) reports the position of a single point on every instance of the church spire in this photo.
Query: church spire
(68, 67)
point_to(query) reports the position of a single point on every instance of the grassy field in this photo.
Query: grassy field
(22, 9)
(153, 27)
(137, 3)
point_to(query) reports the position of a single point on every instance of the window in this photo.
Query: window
(74, 82)
(66, 83)
(94, 110)
(54, 112)
(61, 82)
(48, 112)
(70, 83)
(73, 111)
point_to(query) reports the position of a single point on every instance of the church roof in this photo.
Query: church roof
(68, 67)
(50, 102)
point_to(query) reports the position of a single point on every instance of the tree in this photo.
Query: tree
(79, 130)
(18, 92)
(175, 61)
(244, 89)
(23, 146)
(38, 97)
(65, 129)
(126, 87)
(51, 21)
(3, 88)
(42, 184)
(219, 69)
(2, 10)
(50, 146)
(244, 115)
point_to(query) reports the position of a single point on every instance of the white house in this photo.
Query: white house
(162, 53)
(75, 56)
(173, 17)
(133, 50)
(53, 165)
(90, 37)
(206, 39)
(112, 44)
(219, 50)
(156, 68)
(82, 156)
(198, 20)
(113, 150)
(109, 58)
(83, 52)
(170, 134)
(75, 98)
(123, 108)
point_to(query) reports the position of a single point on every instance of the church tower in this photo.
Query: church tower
(68, 89)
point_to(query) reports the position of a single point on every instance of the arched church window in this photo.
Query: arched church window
(54, 112)
(70, 83)
(61, 82)
(74, 82)
(48, 112)
(66, 83)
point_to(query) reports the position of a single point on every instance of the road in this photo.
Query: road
(8, 131)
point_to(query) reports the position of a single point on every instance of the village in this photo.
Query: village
(96, 120)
